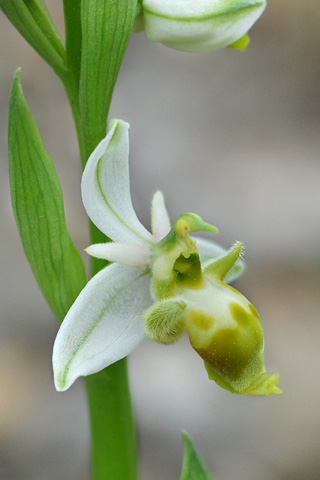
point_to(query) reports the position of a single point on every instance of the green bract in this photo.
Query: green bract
(39, 211)
(193, 467)
(160, 285)
(199, 25)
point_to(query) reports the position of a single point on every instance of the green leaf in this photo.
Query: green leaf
(31, 18)
(38, 208)
(106, 29)
(193, 467)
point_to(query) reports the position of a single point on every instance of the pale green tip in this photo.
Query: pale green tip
(191, 222)
(266, 384)
(241, 43)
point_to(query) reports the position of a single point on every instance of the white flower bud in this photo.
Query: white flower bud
(199, 25)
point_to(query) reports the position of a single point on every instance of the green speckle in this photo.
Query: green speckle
(242, 316)
(234, 350)
(200, 319)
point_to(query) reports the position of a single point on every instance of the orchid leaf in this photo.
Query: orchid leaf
(193, 467)
(32, 20)
(38, 208)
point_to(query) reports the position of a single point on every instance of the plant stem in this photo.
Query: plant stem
(112, 426)
(113, 442)
(71, 89)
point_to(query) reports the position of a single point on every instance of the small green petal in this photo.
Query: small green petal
(218, 268)
(241, 43)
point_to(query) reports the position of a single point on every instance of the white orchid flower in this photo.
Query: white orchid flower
(157, 286)
(199, 25)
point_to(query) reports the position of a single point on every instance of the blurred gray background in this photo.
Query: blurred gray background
(235, 138)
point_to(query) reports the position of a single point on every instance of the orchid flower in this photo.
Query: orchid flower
(199, 25)
(160, 284)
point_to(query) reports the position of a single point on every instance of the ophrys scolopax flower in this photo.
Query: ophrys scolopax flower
(160, 284)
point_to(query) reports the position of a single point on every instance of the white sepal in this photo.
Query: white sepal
(209, 250)
(103, 325)
(133, 254)
(106, 188)
(160, 221)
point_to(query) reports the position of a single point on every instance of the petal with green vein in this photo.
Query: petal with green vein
(103, 325)
(106, 188)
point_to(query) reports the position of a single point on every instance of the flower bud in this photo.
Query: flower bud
(199, 25)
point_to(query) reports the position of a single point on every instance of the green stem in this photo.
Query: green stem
(102, 37)
(113, 451)
(71, 89)
(113, 442)
(113, 445)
